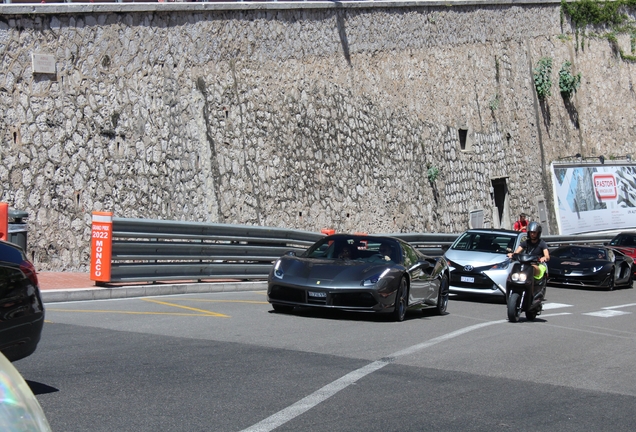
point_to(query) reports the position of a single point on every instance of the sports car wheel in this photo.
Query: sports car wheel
(401, 299)
(610, 284)
(283, 308)
(514, 307)
(442, 296)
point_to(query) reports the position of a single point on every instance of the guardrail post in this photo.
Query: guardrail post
(4, 221)
(101, 246)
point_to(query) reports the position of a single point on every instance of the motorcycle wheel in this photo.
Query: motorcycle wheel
(514, 307)
(531, 315)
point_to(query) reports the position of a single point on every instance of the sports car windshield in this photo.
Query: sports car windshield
(356, 249)
(580, 253)
(485, 242)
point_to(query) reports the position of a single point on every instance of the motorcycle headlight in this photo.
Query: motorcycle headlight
(278, 272)
(518, 277)
(370, 281)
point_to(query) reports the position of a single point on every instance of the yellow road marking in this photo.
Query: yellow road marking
(203, 311)
(132, 312)
(221, 301)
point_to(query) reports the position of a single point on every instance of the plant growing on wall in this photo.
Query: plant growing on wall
(432, 173)
(494, 103)
(568, 83)
(611, 37)
(610, 14)
(542, 81)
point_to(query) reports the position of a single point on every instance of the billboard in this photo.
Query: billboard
(594, 197)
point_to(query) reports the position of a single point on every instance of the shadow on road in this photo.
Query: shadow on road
(39, 388)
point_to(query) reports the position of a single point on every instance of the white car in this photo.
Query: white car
(478, 262)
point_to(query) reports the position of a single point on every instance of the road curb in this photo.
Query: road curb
(109, 293)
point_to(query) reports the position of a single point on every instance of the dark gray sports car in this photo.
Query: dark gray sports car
(359, 273)
(590, 266)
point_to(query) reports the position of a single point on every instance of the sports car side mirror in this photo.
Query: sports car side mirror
(423, 265)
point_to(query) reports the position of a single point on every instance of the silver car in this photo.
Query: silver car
(478, 262)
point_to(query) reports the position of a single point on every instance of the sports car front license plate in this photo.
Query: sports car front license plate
(468, 279)
(317, 294)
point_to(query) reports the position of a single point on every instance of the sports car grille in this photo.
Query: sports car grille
(361, 299)
(278, 292)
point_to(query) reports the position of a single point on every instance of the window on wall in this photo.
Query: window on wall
(465, 139)
(500, 195)
(463, 135)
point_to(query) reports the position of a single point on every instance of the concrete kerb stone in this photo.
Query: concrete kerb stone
(70, 295)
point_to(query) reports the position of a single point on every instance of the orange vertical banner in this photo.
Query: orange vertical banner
(4, 221)
(101, 246)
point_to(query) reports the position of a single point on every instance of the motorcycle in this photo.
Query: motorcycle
(525, 293)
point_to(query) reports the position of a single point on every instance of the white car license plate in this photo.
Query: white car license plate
(317, 294)
(468, 279)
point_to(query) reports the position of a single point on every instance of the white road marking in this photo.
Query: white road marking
(305, 404)
(555, 314)
(547, 306)
(620, 306)
(607, 313)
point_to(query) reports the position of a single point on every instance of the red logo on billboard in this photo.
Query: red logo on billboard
(605, 186)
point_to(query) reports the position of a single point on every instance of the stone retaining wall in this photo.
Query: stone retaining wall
(294, 116)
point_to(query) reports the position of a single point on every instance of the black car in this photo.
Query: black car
(359, 273)
(590, 266)
(21, 308)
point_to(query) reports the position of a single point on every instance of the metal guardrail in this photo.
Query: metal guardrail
(153, 250)
(146, 250)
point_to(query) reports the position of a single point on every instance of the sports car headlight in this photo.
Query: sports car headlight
(595, 269)
(518, 277)
(370, 281)
(278, 272)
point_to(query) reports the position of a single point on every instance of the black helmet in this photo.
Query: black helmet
(535, 226)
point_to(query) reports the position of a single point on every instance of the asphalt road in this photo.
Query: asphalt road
(227, 362)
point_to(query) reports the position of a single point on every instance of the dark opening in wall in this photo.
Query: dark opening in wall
(500, 195)
(463, 134)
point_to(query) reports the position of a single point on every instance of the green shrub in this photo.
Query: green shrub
(568, 83)
(542, 81)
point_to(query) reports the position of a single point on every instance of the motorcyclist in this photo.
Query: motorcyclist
(533, 245)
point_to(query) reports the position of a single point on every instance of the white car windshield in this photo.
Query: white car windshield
(485, 242)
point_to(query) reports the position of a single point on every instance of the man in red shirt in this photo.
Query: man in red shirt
(521, 224)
